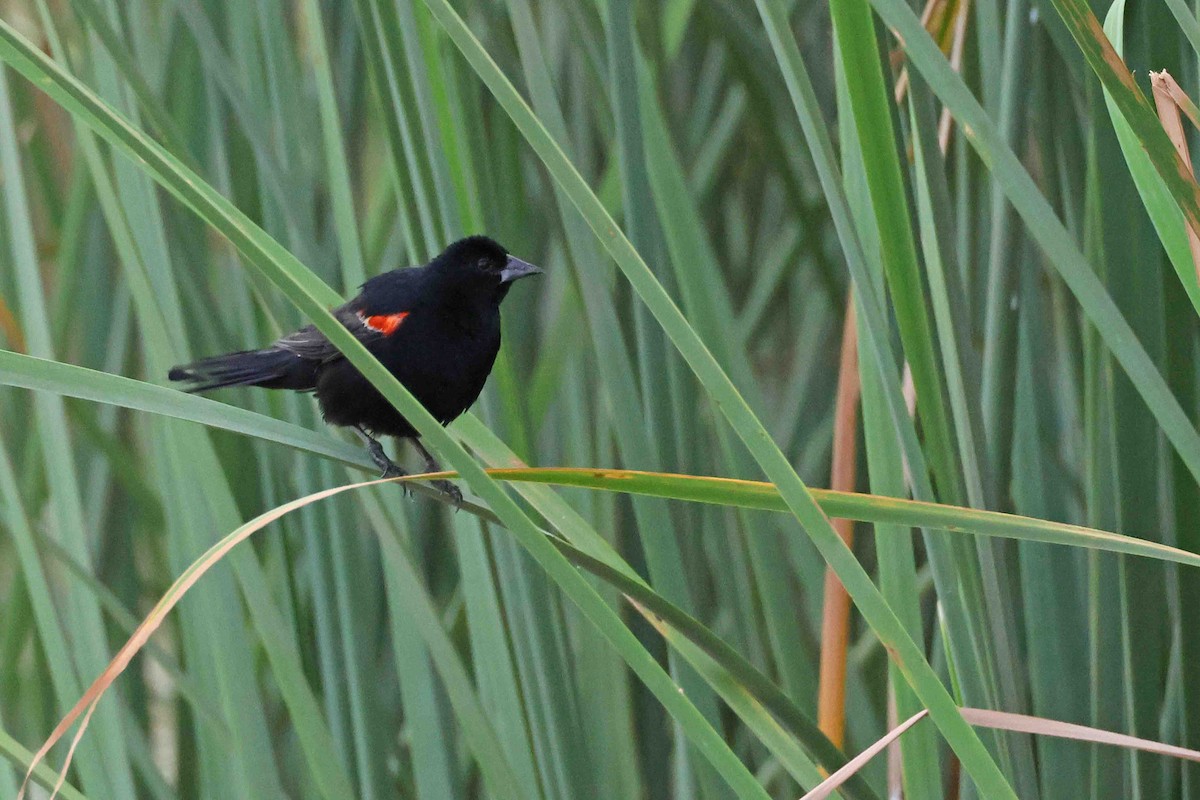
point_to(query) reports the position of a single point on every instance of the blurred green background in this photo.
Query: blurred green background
(1017, 245)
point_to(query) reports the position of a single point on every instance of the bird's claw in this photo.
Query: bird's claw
(392, 471)
(450, 490)
(387, 467)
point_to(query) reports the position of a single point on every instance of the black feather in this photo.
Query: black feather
(270, 368)
(441, 347)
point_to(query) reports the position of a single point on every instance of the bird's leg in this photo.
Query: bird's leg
(375, 450)
(431, 465)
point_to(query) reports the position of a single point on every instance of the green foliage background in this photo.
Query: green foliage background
(703, 182)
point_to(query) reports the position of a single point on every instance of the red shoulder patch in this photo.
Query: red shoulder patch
(384, 323)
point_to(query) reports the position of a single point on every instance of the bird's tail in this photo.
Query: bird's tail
(272, 368)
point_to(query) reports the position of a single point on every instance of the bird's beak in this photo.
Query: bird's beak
(516, 268)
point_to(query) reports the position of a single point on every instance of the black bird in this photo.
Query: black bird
(436, 328)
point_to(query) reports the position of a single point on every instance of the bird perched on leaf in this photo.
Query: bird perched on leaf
(436, 328)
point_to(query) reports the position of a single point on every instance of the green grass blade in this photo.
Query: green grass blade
(313, 298)
(106, 761)
(1043, 224)
(870, 106)
(975, 758)
(1157, 198)
(11, 750)
(28, 372)
(1137, 110)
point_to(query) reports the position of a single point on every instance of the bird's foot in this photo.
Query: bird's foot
(445, 487)
(387, 467)
(450, 490)
(390, 470)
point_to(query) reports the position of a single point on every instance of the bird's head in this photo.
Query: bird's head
(478, 264)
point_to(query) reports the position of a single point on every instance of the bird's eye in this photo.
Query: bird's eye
(484, 264)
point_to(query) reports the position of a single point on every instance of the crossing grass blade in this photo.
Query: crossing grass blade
(701, 233)
(313, 298)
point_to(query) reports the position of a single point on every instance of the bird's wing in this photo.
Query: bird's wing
(310, 344)
(369, 323)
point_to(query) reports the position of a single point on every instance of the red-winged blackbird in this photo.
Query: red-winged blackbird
(436, 328)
